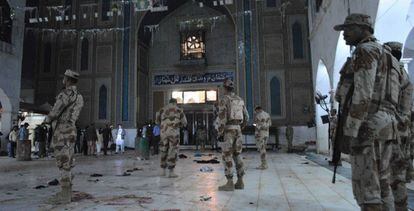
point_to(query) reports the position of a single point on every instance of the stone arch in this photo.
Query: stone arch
(103, 103)
(6, 117)
(297, 39)
(408, 54)
(392, 17)
(323, 86)
(275, 96)
(6, 23)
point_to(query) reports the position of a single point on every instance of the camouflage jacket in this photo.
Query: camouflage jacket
(366, 72)
(65, 113)
(171, 118)
(405, 103)
(263, 122)
(226, 109)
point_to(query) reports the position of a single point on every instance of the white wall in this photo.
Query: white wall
(324, 87)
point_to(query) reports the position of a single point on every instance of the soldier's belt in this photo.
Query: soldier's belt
(233, 122)
(232, 127)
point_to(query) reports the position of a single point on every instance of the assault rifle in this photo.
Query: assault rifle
(336, 157)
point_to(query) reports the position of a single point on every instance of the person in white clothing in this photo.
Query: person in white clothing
(100, 141)
(120, 138)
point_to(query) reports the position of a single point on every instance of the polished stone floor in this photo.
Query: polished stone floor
(292, 182)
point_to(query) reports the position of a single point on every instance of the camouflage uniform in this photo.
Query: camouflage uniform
(63, 116)
(232, 114)
(400, 160)
(261, 133)
(201, 137)
(170, 118)
(370, 122)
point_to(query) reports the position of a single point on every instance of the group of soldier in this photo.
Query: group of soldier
(375, 100)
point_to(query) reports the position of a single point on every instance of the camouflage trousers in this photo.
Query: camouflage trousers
(370, 164)
(261, 142)
(400, 162)
(65, 162)
(231, 150)
(169, 150)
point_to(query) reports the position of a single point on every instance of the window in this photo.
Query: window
(195, 97)
(68, 11)
(5, 22)
(106, 6)
(211, 95)
(103, 96)
(192, 45)
(47, 57)
(271, 3)
(178, 96)
(297, 41)
(275, 99)
(318, 5)
(84, 54)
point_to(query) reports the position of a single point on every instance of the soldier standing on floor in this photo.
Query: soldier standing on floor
(400, 159)
(232, 116)
(63, 116)
(367, 95)
(289, 137)
(170, 118)
(262, 123)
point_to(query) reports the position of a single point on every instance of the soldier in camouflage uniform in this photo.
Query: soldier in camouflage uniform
(262, 123)
(400, 159)
(63, 116)
(231, 116)
(289, 137)
(170, 118)
(369, 110)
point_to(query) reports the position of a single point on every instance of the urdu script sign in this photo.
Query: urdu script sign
(176, 79)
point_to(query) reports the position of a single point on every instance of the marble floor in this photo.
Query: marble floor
(292, 182)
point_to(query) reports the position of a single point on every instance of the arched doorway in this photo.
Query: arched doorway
(180, 53)
(5, 118)
(408, 54)
(323, 87)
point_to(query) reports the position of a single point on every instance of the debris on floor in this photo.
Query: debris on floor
(205, 198)
(298, 149)
(212, 161)
(93, 180)
(206, 169)
(40, 187)
(124, 174)
(305, 163)
(53, 182)
(182, 156)
(96, 175)
(168, 210)
(128, 200)
(78, 196)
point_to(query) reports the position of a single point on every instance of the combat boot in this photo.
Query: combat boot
(229, 186)
(163, 172)
(371, 207)
(239, 184)
(172, 174)
(63, 197)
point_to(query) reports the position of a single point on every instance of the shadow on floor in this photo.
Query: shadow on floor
(346, 172)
